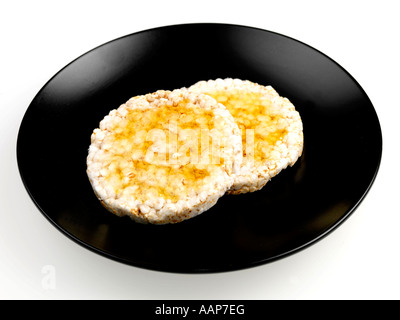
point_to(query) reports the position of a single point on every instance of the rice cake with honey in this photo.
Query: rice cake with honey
(164, 157)
(271, 129)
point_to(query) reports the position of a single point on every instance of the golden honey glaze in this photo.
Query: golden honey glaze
(261, 124)
(160, 152)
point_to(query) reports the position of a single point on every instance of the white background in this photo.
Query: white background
(359, 260)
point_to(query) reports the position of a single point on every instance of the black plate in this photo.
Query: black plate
(342, 151)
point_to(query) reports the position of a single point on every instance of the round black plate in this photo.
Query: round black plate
(342, 151)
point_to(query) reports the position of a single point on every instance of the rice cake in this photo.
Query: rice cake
(164, 157)
(271, 129)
